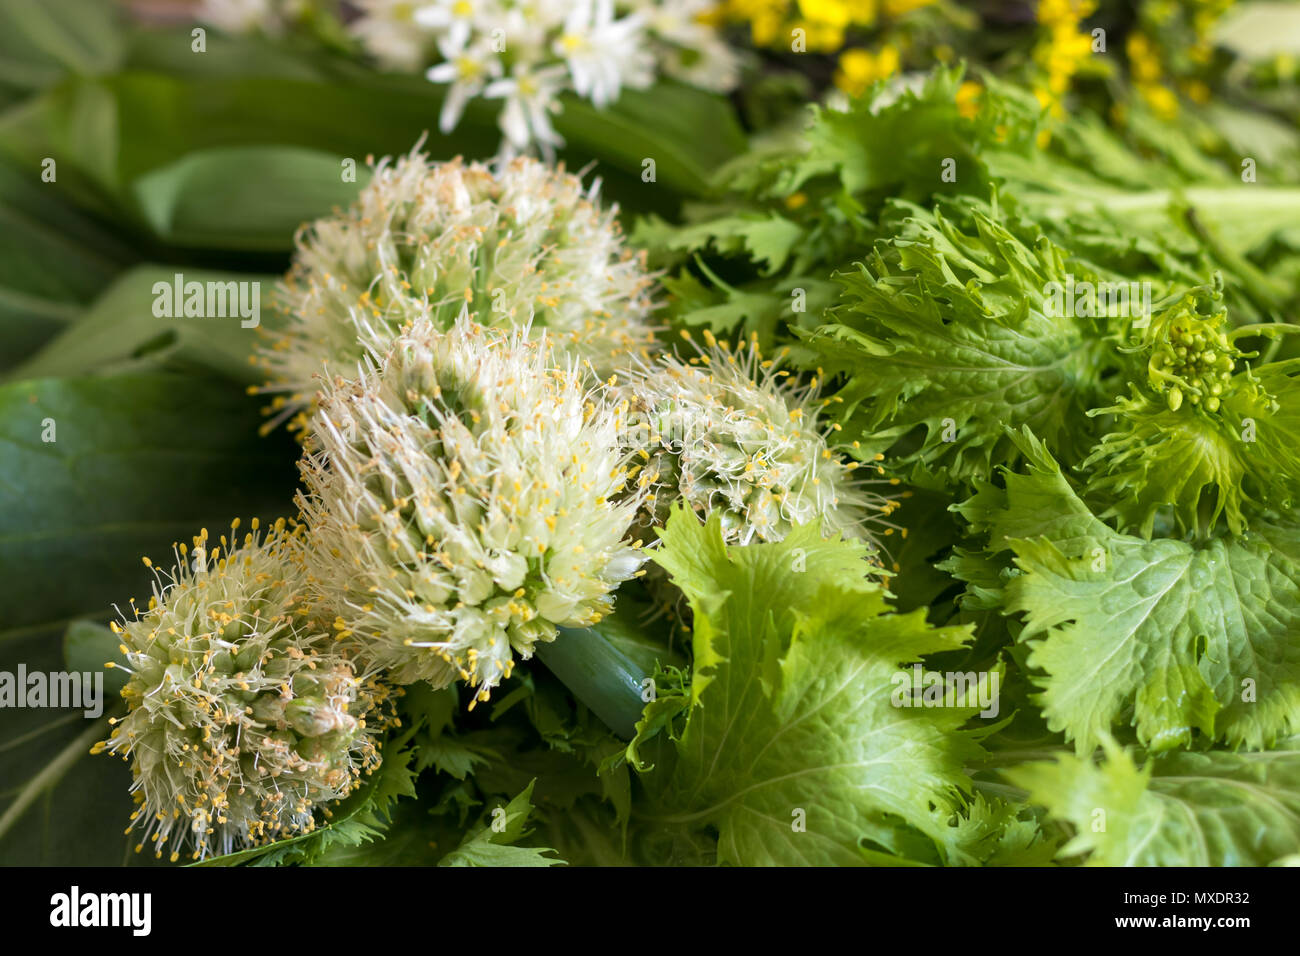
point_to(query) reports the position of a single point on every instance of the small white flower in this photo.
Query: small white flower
(688, 48)
(531, 96)
(455, 18)
(468, 72)
(388, 30)
(467, 499)
(544, 47)
(604, 54)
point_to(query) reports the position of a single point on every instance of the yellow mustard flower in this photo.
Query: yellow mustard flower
(896, 8)
(860, 68)
(1063, 50)
(831, 13)
(968, 98)
(819, 37)
(1197, 91)
(826, 24)
(1160, 98)
(1144, 62)
(765, 18)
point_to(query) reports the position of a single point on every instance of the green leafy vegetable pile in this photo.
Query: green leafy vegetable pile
(1066, 345)
(967, 537)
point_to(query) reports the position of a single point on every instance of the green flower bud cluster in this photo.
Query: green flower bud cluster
(1195, 364)
(243, 715)
(1193, 359)
(1203, 437)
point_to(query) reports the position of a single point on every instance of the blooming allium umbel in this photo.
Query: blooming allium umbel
(725, 432)
(530, 244)
(465, 499)
(243, 715)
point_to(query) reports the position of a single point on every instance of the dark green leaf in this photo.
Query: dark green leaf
(252, 197)
(120, 331)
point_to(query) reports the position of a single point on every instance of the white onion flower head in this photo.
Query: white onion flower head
(726, 432)
(391, 32)
(469, 70)
(531, 96)
(244, 716)
(454, 18)
(529, 244)
(468, 498)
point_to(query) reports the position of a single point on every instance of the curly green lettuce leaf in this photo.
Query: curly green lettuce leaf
(1143, 203)
(436, 743)
(768, 238)
(792, 747)
(1173, 636)
(1185, 809)
(799, 205)
(997, 832)
(893, 142)
(1152, 199)
(957, 331)
(495, 843)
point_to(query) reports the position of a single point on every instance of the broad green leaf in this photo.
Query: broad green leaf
(121, 332)
(1185, 809)
(494, 843)
(247, 197)
(106, 133)
(96, 473)
(42, 41)
(53, 260)
(792, 747)
(170, 51)
(58, 805)
(1173, 636)
(87, 649)
(662, 123)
